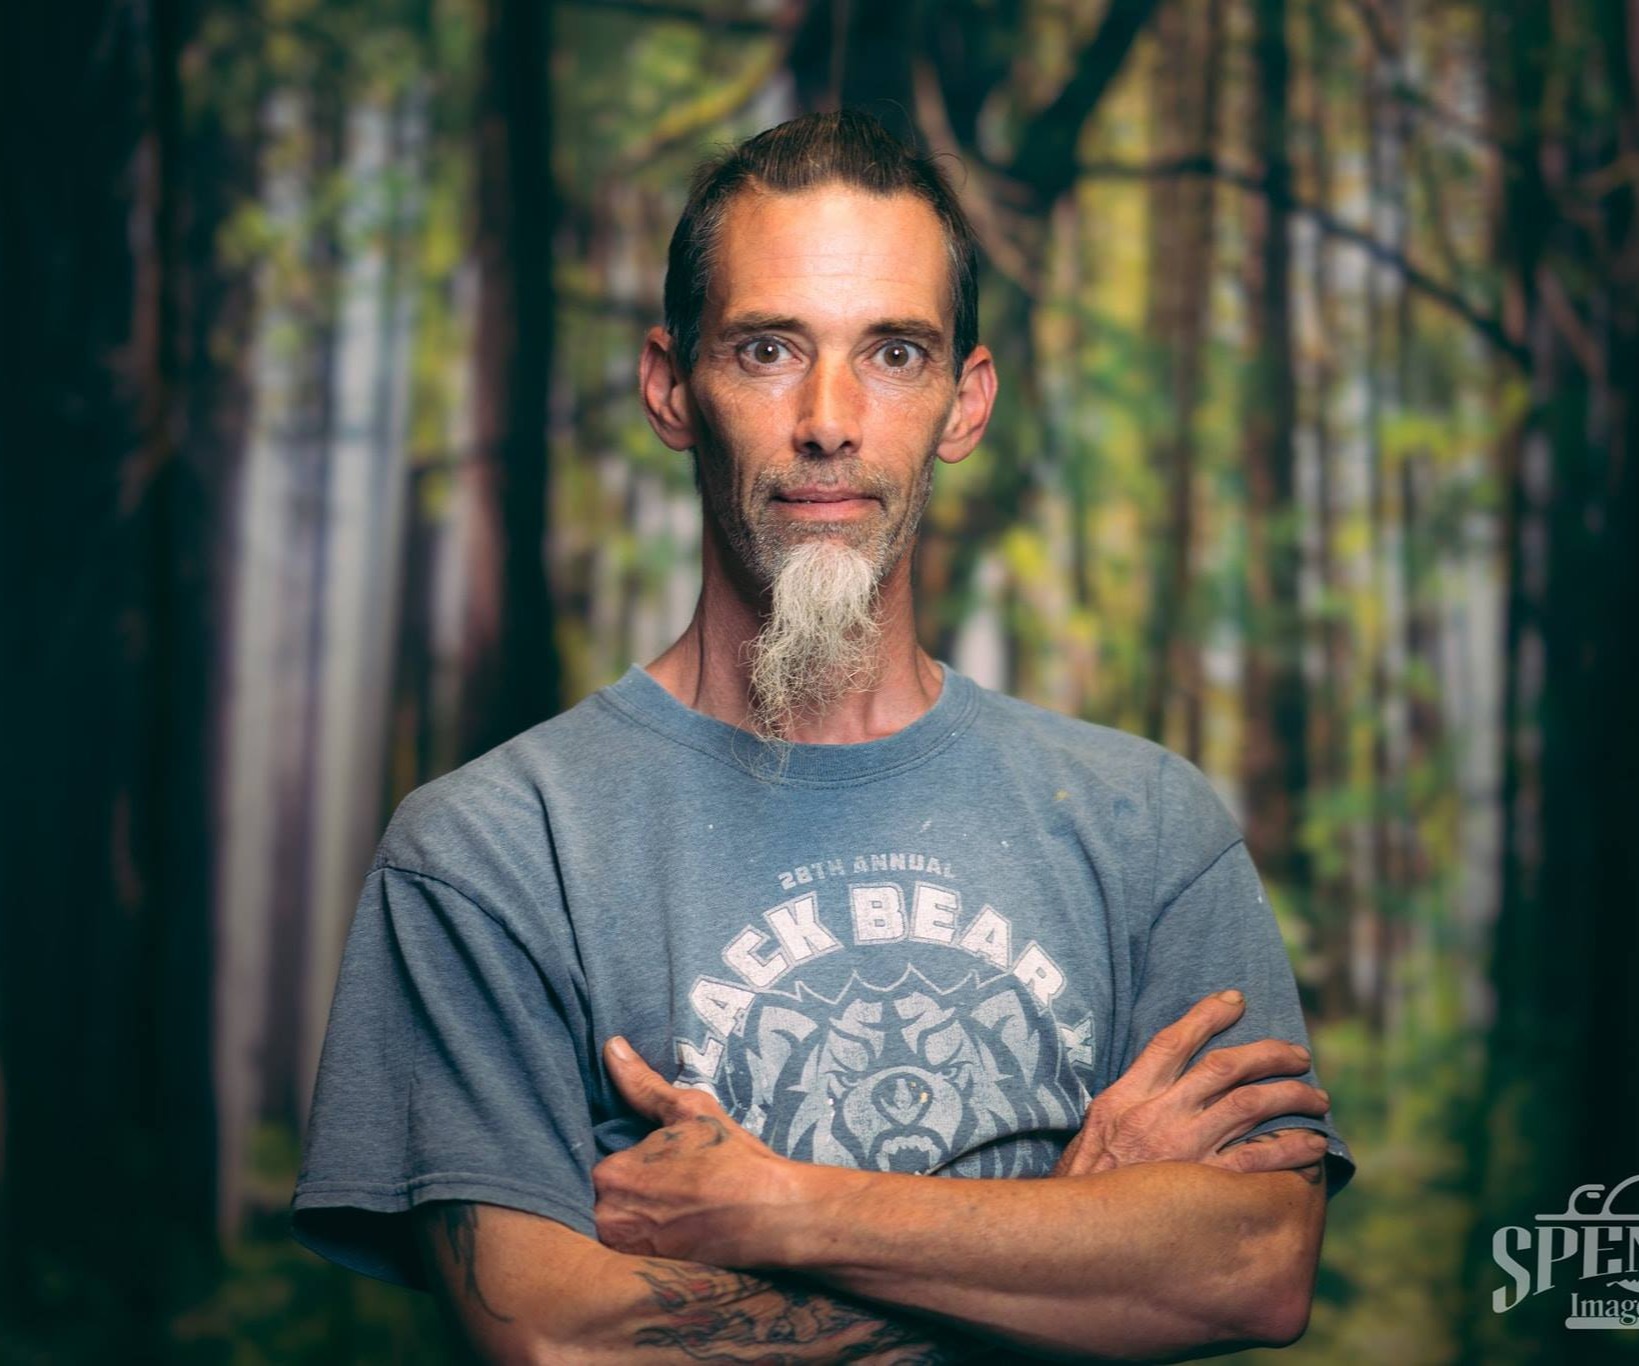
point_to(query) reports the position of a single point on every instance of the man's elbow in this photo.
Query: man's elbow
(1281, 1318)
(1279, 1297)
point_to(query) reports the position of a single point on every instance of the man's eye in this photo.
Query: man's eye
(764, 351)
(901, 355)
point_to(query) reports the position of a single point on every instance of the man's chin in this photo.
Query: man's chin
(775, 549)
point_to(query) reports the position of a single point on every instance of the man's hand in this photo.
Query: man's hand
(690, 1189)
(1159, 1111)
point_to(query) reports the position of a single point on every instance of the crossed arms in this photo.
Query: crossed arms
(1156, 1235)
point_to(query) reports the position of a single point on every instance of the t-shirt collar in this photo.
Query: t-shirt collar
(646, 701)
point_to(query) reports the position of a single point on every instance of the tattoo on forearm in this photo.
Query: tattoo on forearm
(727, 1316)
(460, 1222)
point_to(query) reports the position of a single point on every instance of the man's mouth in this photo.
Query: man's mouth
(824, 504)
(821, 495)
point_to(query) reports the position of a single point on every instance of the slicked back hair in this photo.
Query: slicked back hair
(849, 148)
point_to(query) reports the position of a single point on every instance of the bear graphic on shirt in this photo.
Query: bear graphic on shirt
(910, 1077)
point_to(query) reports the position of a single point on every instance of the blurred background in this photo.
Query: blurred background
(1318, 331)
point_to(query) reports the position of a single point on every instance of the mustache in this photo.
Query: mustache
(853, 475)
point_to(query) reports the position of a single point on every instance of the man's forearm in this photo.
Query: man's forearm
(1148, 1260)
(524, 1289)
(673, 1311)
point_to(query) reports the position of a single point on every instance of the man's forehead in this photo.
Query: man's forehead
(829, 249)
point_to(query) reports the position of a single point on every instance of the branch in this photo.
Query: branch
(1379, 26)
(1571, 327)
(1428, 179)
(1387, 41)
(1449, 118)
(990, 221)
(1487, 325)
(1046, 158)
(719, 102)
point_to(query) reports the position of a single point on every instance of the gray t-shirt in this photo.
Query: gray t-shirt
(921, 953)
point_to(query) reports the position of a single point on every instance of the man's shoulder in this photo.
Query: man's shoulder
(1106, 753)
(1027, 720)
(499, 798)
(1164, 789)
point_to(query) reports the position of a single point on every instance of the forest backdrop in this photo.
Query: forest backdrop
(1318, 330)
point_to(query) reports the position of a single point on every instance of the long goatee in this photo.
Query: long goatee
(821, 640)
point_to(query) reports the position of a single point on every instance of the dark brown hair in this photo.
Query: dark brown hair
(849, 148)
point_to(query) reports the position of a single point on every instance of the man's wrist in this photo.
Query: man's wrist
(798, 1228)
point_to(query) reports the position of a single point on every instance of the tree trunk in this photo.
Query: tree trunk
(1562, 1096)
(1181, 239)
(1384, 367)
(510, 669)
(1335, 890)
(363, 525)
(308, 455)
(1275, 767)
(105, 972)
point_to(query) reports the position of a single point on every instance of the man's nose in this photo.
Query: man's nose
(828, 414)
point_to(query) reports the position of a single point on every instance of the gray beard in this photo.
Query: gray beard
(821, 639)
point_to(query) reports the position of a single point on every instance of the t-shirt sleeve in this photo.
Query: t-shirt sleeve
(1213, 929)
(449, 1072)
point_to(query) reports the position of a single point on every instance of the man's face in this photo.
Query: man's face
(823, 383)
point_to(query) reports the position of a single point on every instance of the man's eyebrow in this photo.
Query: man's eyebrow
(744, 324)
(925, 334)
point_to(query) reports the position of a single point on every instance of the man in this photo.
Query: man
(872, 920)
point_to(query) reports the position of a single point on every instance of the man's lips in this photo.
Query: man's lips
(821, 495)
(824, 504)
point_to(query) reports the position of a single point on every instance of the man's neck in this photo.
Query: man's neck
(706, 667)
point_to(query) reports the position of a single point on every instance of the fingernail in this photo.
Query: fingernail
(621, 1049)
(1326, 1099)
(1304, 1053)
(1232, 996)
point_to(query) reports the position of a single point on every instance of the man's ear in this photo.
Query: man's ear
(664, 392)
(970, 413)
